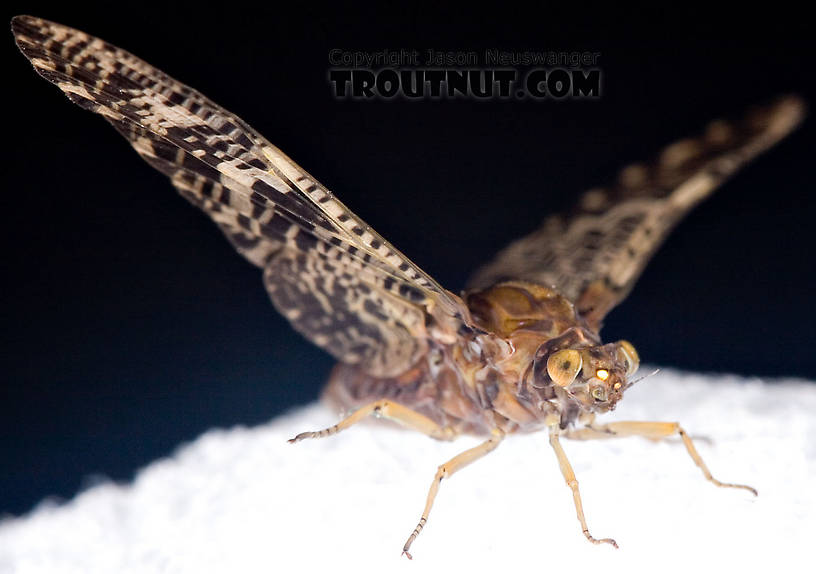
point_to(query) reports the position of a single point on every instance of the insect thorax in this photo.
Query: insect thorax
(498, 378)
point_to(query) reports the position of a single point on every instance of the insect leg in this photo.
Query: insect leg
(651, 430)
(391, 410)
(447, 470)
(572, 482)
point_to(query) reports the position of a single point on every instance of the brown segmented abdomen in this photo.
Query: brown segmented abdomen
(436, 388)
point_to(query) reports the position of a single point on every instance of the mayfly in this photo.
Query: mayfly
(518, 351)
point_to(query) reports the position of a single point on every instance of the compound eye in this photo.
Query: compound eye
(563, 366)
(628, 356)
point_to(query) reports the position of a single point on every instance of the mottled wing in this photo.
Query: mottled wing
(594, 254)
(334, 278)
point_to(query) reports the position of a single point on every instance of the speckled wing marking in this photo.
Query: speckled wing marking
(334, 278)
(594, 254)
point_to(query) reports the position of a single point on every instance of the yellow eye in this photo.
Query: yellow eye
(564, 366)
(629, 356)
(599, 394)
(602, 374)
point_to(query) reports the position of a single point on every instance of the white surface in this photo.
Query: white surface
(243, 500)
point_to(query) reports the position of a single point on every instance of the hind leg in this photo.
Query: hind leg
(390, 410)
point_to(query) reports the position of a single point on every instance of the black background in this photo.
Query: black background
(130, 326)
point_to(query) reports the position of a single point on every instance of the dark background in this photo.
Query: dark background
(130, 326)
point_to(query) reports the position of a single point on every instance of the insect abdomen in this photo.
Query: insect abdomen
(434, 388)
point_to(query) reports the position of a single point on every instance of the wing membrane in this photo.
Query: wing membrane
(373, 311)
(594, 254)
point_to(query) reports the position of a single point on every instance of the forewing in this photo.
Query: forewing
(594, 254)
(339, 282)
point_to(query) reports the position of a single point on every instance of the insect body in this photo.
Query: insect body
(530, 359)
(519, 351)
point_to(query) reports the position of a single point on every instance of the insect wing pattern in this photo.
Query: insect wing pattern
(595, 254)
(334, 278)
